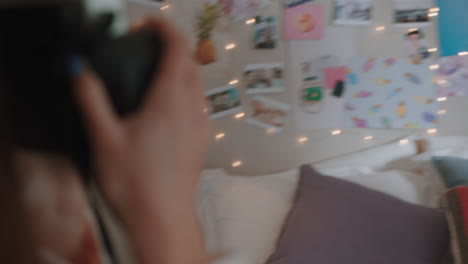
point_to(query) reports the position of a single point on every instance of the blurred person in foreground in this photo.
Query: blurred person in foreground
(147, 168)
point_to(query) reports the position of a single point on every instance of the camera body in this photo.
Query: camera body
(37, 43)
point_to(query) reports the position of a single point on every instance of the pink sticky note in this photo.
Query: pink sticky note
(333, 75)
(304, 22)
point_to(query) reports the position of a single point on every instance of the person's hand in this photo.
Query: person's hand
(152, 159)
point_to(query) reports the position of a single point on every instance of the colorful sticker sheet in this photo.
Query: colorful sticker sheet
(391, 94)
(452, 78)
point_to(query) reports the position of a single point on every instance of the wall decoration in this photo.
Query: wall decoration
(353, 12)
(453, 31)
(411, 13)
(317, 107)
(223, 101)
(156, 3)
(264, 78)
(266, 32)
(268, 113)
(207, 20)
(293, 3)
(304, 22)
(452, 77)
(238, 10)
(406, 99)
(334, 75)
(417, 45)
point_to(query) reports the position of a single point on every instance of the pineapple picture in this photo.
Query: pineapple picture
(207, 20)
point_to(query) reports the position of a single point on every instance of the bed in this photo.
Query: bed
(246, 216)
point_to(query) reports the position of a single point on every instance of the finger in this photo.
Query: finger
(175, 65)
(102, 124)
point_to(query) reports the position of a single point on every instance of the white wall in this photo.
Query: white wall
(262, 153)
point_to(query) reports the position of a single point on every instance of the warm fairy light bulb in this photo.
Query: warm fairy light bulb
(441, 99)
(441, 81)
(205, 110)
(368, 137)
(433, 50)
(270, 131)
(220, 136)
(230, 46)
(239, 115)
(433, 14)
(302, 139)
(236, 163)
(234, 82)
(434, 10)
(250, 21)
(165, 7)
(463, 53)
(442, 112)
(336, 132)
(404, 141)
(432, 131)
(434, 66)
(381, 28)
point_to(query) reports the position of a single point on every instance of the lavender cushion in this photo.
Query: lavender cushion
(336, 222)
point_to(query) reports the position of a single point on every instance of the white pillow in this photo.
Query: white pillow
(373, 158)
(407, 186)
(249, 212)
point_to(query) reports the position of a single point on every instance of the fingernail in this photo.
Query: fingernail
(75, 65)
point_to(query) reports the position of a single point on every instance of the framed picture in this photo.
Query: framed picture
(155, 3)
(223, 101)
(268, 113)
(411, 13)
(264, 78)
(266, 32)
(304, 22)
(353, 12)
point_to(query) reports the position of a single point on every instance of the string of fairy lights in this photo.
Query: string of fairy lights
(230, 47)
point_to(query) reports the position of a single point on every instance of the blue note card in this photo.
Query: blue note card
(453, 21)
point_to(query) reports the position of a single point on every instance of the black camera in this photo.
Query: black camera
(37, 42)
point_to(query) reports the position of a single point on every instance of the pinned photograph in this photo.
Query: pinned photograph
(238, 10)
(268, 113)
(293, 3)
(418, 47)
(223, 101)
(266, 32)
(264, 78)
(411, 13)
(304, 22)
(353, 12)
(156, 3)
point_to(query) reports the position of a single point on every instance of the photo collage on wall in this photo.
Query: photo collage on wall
(366, 92)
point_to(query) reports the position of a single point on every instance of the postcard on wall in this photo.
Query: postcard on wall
(417, 45)
(390, 93)
(304, 22)
(315, 106)
(268, 113)
(242, 9)
(353, 12)
(264, 78)
(293, 3)
(452, 77)
(411, 13)
(266, 32)
(223, 101)
(156, 3)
